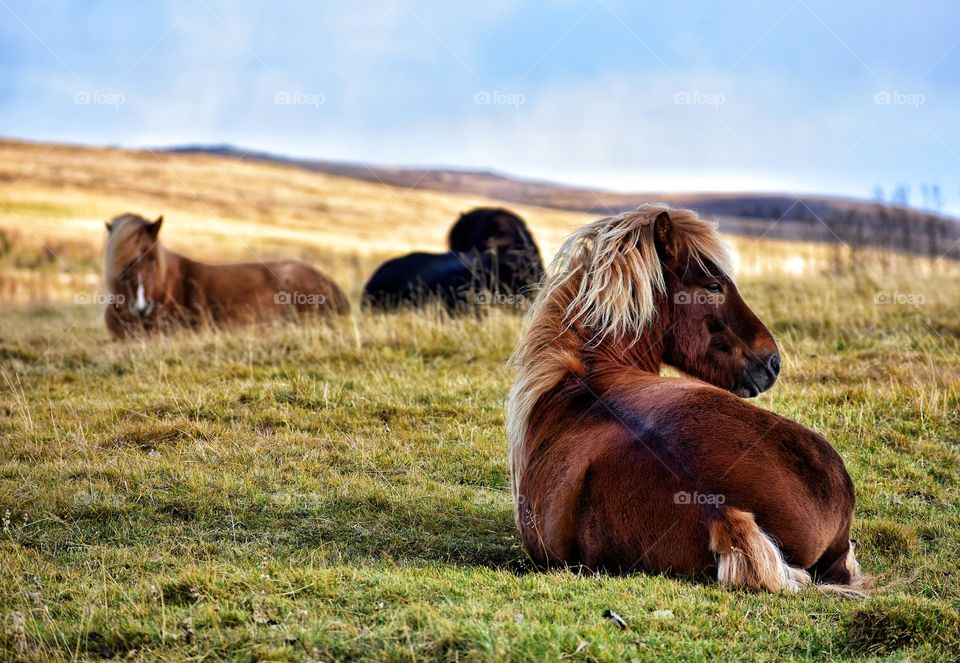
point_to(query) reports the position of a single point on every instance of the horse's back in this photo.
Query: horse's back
(419, 277)
(265, 289)
(298, 274)
(738, 450)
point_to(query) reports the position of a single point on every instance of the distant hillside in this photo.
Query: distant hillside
(810, 218)
(54, 199)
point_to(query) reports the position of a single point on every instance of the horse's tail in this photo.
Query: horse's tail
(749, 558)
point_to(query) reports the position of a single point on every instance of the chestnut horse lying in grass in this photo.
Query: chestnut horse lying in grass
(152, 287)
(615, 467)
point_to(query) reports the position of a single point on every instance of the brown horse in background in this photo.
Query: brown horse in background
(152, 287)
(614, 467)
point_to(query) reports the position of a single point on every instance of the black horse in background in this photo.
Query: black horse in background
(489, 229)
(492, 260)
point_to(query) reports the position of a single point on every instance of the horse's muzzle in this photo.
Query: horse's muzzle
(142, 311)
(758, 375)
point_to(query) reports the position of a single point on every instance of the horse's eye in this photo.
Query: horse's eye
(715, 288)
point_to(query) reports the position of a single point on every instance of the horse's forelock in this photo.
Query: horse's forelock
(701, 240)
(122, 244)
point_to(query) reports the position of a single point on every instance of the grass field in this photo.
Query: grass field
(340, 492)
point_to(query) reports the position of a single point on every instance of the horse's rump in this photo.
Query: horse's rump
(634, 472)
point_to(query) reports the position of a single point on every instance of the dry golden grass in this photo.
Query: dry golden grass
(225, 209)
(54, 200)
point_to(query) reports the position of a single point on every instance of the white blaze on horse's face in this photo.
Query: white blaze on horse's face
(141, 306)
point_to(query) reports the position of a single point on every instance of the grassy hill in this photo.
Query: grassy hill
(811, 218)
(55, 198)
(331, 492)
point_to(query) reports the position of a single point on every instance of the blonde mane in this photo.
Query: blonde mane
(122, 245)
(605, 281)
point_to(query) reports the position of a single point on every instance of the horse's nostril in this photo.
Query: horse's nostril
(774, 363)
(759, 374)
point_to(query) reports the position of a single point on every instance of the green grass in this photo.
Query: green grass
(321, 493)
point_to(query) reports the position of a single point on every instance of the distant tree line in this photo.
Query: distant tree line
(886, 228)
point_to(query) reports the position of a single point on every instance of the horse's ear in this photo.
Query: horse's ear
(109, 227)
(663, 236)
(154, 228)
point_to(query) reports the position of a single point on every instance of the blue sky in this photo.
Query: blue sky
(800, 96)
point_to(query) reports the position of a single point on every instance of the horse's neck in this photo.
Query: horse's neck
(644, 352)
(551, 353)
(176, 269)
